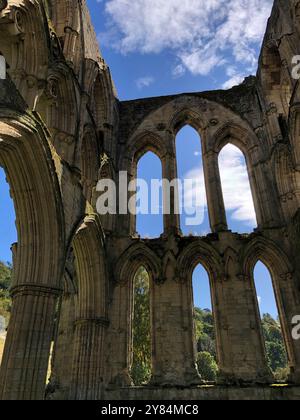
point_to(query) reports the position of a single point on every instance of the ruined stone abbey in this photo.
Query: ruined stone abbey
(62, 128)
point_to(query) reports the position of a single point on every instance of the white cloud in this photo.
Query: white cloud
(144, 82)
(236, 187)
(259, 300)
(235, 78)
(201, 33)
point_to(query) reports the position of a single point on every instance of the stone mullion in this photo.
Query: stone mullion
(172, 220)
(215, 200)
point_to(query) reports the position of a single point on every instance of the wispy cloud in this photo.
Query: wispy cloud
(235, 182)
(144, 82)
(200, 33)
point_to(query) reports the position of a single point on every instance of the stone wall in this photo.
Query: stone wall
(62, 129)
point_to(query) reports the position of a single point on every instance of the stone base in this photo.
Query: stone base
(205, 393)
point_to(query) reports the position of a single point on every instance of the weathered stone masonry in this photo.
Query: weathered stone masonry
(62, 129)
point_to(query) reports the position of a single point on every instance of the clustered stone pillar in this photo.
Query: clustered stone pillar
(61, 362)
(87, 374)
(26, 355)
(119, 341)
(91, 315)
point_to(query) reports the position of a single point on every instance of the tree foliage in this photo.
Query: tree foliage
(207, 366)
(5, 282)
(206, 344)
(141, 367)
(276, 352)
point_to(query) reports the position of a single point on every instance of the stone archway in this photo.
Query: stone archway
(40, 256)
(285, 289)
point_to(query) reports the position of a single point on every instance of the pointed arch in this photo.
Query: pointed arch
(134, 257)
(199, 252)
(185, 117)
(148, 220)
(263, 285)
(284, 285)
(102, 99)
(139, 146)
(190, 167)
(143, 143)
(241, 137)
(261, 248)
(40, 254)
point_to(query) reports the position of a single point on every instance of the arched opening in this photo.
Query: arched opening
(194, 218)
(149, 201)
(205, 336)
(8, 236)
(271, 325)
(141, 369)
(239, 205)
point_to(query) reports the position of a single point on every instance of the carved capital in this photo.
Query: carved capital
(38, 290)
(99, 322)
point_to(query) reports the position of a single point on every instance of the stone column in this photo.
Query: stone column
(215, 200)
(119, 342)
(267, 197)
(30, 332)
(61, 366)
(171, 220)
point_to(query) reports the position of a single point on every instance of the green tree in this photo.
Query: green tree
(276, 352)
(206, 344)
(141, 367)
(207, 366)
(5, 276)
(5, 282)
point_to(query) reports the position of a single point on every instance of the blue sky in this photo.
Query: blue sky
(158, 47)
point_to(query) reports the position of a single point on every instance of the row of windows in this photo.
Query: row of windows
(204, 329)
(237, 194)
